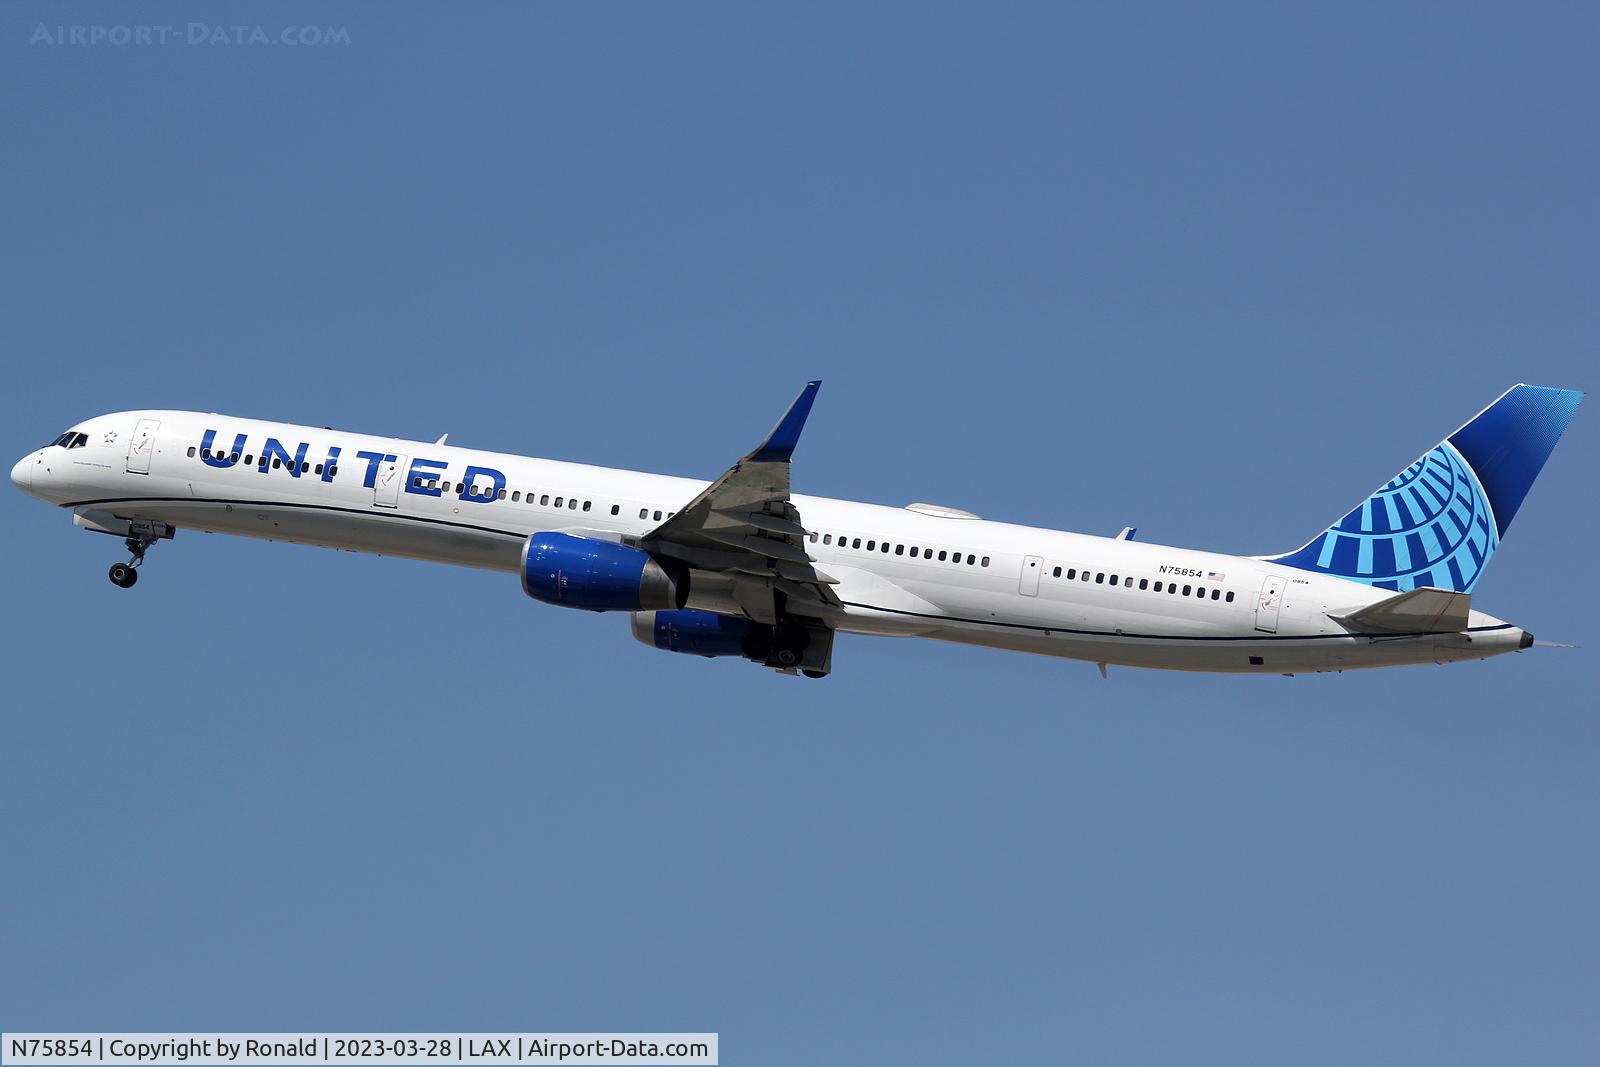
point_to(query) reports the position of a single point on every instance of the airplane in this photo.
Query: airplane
(742, 567)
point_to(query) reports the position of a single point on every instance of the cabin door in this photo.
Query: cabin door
(386, 490)
(141, 444)
(1268, 605)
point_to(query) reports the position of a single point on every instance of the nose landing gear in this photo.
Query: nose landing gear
(123, 575)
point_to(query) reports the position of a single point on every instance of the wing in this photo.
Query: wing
(744, 526)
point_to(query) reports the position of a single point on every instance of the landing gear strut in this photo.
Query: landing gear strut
(123, 575)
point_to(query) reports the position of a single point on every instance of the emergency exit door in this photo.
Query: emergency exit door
(1032, 568)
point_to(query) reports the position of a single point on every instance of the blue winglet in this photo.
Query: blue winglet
(779, 445)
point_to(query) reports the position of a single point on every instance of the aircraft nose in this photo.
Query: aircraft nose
(22, 474)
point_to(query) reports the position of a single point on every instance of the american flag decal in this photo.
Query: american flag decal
(1213, 576)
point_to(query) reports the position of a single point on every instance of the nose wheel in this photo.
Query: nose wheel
(123, 575)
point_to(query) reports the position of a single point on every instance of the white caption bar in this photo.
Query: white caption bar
(336, 1050)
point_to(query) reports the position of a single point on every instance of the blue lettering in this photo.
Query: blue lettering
(333, 463)
(373, 459)
(469, 479)
(217, 459)
(274, 447)
(420, 469)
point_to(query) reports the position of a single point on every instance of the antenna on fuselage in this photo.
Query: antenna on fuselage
(442, 438)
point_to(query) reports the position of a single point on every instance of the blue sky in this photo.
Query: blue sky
(1215, 274)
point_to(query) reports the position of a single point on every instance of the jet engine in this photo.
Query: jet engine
(582, 572)
(701, 633)
(791, 645)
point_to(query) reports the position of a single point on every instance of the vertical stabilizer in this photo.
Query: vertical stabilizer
(1436, 523)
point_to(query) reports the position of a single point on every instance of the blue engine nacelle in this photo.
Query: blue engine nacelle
(699, 633)
(581, 572)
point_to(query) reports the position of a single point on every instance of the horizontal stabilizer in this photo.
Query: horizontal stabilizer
(1418, 611)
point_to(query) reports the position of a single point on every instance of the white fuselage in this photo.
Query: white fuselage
(941, 575)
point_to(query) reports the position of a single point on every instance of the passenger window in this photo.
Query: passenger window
(572, 504)
(304, 467)
(276, 463)
(1200, 592)
(1230, 597)
(1158, 587)
(516, 496)
(1072, 572)
(644, 513)
(586, 504)
(872, 546)
(502, 494)
(1144, 583)
(616, 509)
(1056, 573)
(984, 562)
(191, 451)
(1100, 579)
(856, 543)
(319, 468)
(971, 559)
(658, 516)
(249, 461)
(1214, 593)
(1186, 590)
(827, 539)
(814, 537)
(1113, 579)
(558, 501)
(899, 550)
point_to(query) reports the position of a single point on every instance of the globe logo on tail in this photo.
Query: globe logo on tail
(1430, 526)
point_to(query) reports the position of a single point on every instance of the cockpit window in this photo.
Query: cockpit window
(70, 439)
(61, 441)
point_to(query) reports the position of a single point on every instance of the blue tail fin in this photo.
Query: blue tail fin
(1437, 522)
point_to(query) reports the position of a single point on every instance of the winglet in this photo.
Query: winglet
(779, 445)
